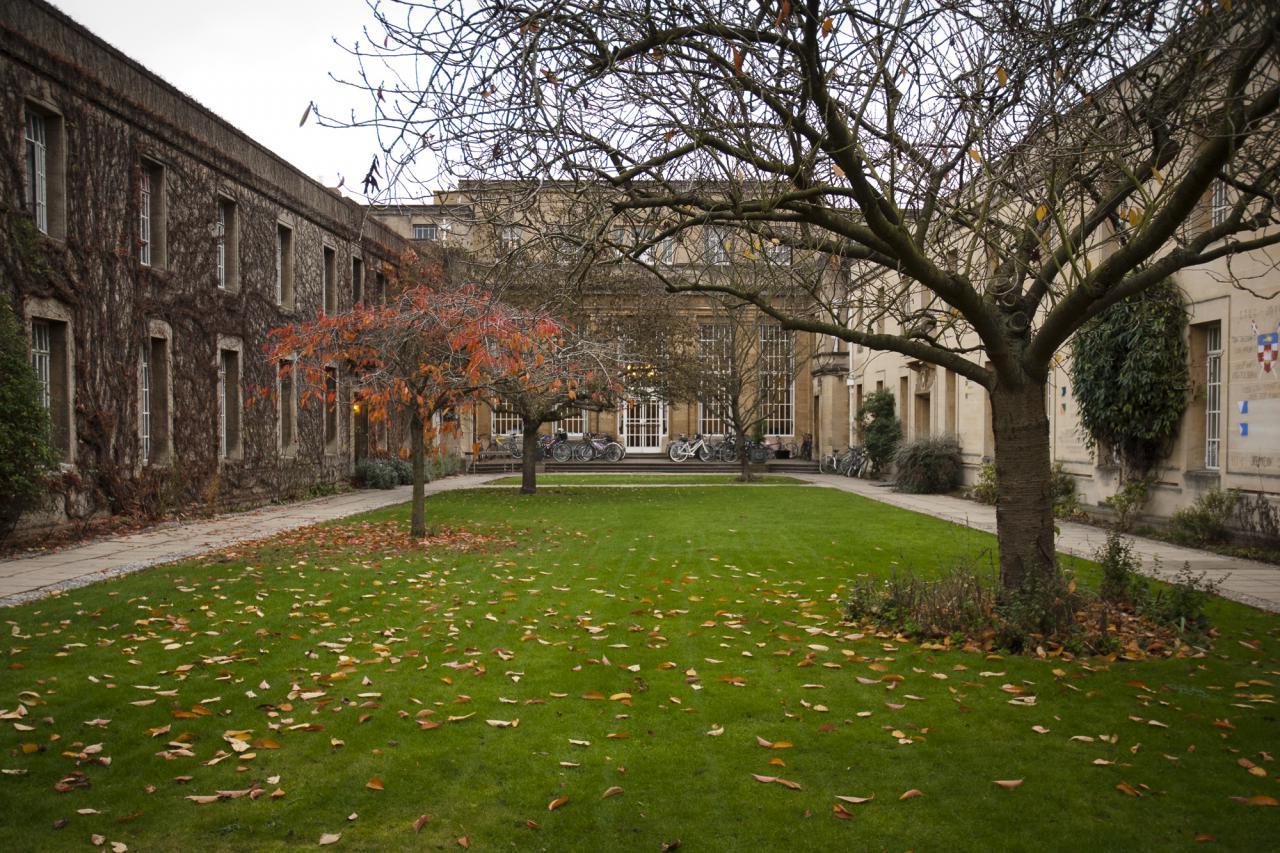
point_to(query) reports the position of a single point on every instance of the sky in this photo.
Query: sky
(256, 64)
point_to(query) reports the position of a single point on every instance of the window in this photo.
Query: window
(776, 252)
(330, 409)
(151, 215)
(287, 408)
(575, 424)
(357, 281)
(504, 422)
(1219, 204)
(380, 288)
(227, 230)
(716, 357)
(667, 250)
(508, 238)
(330, 281)
(430, 231)
(717, 240)
(777, 391)
(229, 446)
(153, 401)
(37, 185)
(1213, 397)
(44, 191)
(49, 360)
(284, 266)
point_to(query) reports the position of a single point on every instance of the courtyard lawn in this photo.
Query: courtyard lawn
(665, 479)
(677, 668)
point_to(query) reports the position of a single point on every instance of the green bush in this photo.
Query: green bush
(1182, 605)
(879, 427)
(1121, 583)
(1128, 500)
(26, 457)
(1066, 503)
(928, 465)
(984, 491)
(377, 474)
(1205, 521)
(403, 469)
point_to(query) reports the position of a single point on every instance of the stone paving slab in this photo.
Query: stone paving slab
(1247, 581)
(26, 578)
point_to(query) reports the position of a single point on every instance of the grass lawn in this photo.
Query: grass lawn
(647, 640)
(649, 480)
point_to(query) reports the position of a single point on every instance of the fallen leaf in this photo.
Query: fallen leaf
(374, 784)
(910, 795)
(611, 792)
(330, 838)
(420, 822)
(855, 800)
(556, 803)
(1009, 783)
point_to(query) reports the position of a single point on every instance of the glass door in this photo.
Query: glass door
(644, 423)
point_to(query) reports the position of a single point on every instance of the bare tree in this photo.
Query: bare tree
(993, 172)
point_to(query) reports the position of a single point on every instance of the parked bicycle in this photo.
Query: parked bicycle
(682, 448)
(598, 446)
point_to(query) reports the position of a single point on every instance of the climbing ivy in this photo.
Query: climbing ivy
(25, 456)
(1129, 373)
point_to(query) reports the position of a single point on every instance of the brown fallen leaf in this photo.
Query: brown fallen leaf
(420, 822)
(1258, 800)
(855, 800)
(1126, 788)
(911, 795)
(556, 803)
(374, 784)
(612, 791)
(1009, 783)
(464, 842)
(330, 838)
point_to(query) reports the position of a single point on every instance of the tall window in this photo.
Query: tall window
(37, 188)
(715, 350)
(144, 225)
(357, 281)
(331, 409)
(49, 360)
(153, 400)
(229, 404)
(284, 266)
(288, 408)
(1213, 397)
(330, 281)
(1219, 204)
(508, 238)
(667, 251)
(777, 390)
(429, 231)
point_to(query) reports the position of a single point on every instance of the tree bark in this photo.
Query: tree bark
(529, 464)
(418, 519)
(1024, 502)
(744, 458)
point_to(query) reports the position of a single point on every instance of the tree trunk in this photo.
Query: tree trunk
(418, 519)
(529, 465)
(1024, 502)
(744, 458)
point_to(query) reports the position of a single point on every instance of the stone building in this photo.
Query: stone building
(148, 246)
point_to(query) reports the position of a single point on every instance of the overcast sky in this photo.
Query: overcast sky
(256, 63)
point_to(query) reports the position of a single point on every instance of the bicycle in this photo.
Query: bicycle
(682, 448)
(600, 446)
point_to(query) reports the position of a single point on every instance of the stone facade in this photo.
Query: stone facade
(149, 246)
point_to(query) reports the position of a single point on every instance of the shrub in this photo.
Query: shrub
(984, 491)
(26, 457)
(377, 474)
(961, 602)
(1205, 521)
(1066, 503)
(1121, 582)
(879, 427)
(1128, 500)
(1182, 604)
(928, 465)
(403, 469)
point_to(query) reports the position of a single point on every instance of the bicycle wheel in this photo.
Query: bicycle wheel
(614, 452)
(725, 453)
(583, 452)
(676, 451)
(705, 453)
(517, 449)
(759, 454)
(827, 465)
(561, 451)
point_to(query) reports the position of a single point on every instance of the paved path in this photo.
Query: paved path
(1246, 581)
(25, 578)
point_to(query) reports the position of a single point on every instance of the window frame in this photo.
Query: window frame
(778, 403)
(1213, 397)
(286, 291)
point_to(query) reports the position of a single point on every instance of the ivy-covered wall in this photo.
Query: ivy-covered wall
(111, 118)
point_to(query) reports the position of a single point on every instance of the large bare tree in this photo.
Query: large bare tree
(992, 173)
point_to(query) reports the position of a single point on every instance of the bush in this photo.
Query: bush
(1121, 583)
(960, 602)
(984, 491)
(1205, 521)
(377, 474)
(1066, 503)
(879, 427)
(928, 465)
(26, 457)
(403, 469)
(1128, 500)
(1182, 605)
